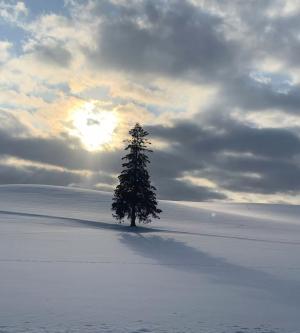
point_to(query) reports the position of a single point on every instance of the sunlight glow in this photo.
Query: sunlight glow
(94, 127)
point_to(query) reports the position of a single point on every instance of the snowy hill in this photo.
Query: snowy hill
(66, 266)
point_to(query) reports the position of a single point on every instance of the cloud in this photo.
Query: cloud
(13, 11)
(256, 175)
(172, 38)
(203, 43)
(62, 161)
(53, 53)
(32, 175)
(53, 151)
(173, 189)
(167, 167)
(234, 156)
(4, 50)
(228, 135)
(248, 94)
(215, 82)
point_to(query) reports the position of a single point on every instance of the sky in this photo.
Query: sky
(215, 83)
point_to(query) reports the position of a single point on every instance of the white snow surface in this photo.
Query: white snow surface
(66, 266)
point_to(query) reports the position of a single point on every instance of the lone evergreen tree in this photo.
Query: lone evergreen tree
(135, 197)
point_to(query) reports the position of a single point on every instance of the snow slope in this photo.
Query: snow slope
(66, 266)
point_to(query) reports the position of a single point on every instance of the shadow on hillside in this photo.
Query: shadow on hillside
(73, 222)
(142, 229)
(108, 225)
(177, 255)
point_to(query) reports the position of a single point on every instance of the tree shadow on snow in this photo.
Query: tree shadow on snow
(108, 225)
(177, 255)
(74, 222)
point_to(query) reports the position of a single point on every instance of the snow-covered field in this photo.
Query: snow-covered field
(66, 266)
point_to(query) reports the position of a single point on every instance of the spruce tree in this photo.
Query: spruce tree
(134, 196)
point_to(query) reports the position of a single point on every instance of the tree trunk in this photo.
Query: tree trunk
(132, 223)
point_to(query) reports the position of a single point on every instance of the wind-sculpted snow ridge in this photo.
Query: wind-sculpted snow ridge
(66, 266)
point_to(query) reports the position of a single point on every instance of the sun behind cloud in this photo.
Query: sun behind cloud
(95, 127)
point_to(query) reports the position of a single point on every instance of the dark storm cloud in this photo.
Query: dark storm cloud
(249, 94)
(275, 35)
(32, 174)
(235, 156)
(182, 40)
(66, 153)
(167, 166)
(174, 38)
(53, 151)
(172, 189)
(36, 175)
(255, 174)
(228, 135)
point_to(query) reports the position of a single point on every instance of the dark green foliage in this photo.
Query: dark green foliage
(134, 197)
